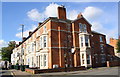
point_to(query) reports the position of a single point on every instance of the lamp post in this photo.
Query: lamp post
(22, 44)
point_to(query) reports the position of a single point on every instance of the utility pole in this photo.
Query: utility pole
(22, 45)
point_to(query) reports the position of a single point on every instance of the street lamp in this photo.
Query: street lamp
(22, 44)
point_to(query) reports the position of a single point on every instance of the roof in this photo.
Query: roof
(50, 18)
(97, 33)
(81, 18)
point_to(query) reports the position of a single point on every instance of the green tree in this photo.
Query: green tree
(118, 46)
(7, 51)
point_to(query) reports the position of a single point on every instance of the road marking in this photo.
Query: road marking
(12, 73)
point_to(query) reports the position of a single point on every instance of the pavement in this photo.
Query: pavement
(102, 71)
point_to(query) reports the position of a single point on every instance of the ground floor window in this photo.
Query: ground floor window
(83, 61)
(88, 59)
(43, 60)
(103, 59)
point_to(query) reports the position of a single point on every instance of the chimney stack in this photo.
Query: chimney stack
(61, 12)
(39, 23)
(30, 32)
(80, 15)
(24, 38)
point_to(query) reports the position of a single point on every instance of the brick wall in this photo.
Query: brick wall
(37, 71)
(113, 63)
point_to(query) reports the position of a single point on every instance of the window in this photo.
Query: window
(37, 45)
(101, 40)
(102, 47)
(32, 61)
(45, 60)
(83, 59)
(96, 58)
(32, 47)
(28, 61)
(103, 59)
(81, 41)
(41, 60)
(88, 59)
(37, 60)
(40, 42)
(82, 27)
(44, 42)
(45, 29)
(86, 41)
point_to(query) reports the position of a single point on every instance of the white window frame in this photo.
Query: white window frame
(43, 60)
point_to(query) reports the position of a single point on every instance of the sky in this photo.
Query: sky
(102, 15)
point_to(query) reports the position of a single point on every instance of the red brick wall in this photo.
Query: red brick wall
(95, 44)
(113, 63)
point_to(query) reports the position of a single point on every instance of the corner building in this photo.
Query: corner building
(59, 42)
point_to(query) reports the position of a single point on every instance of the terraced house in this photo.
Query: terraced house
(60, 42)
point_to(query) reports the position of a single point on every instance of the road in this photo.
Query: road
(96, 72)
(6, 73)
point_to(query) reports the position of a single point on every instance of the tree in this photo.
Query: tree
(7, 51)
(118, 46)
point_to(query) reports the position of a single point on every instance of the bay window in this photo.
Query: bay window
(86, 41)
(43, 60)
(81, 41)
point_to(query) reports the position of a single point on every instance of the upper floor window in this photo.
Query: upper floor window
(86, 41)
(44, 41)
(45, 29)
(102, 47)
(40, 42)
(101, 39)
(82, 27)
(81, 41)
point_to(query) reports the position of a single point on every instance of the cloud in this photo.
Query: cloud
(35, 15)
(96, 26)
(3, 43)
(92, 13)
(26, 32)
(50, 11)
(72, 14)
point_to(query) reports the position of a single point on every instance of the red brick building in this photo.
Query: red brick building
(60, 42)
